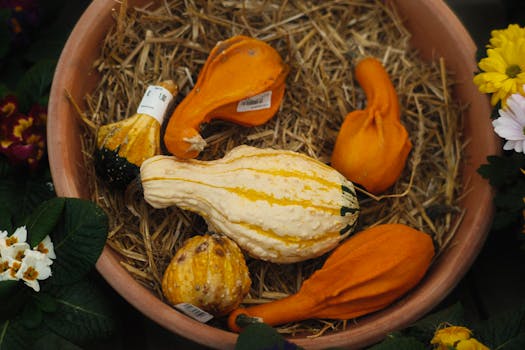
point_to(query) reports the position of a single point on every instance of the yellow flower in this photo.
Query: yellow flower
(455, 337)
(512, 33)
(470, 344)
(449, 336)
(503, 70)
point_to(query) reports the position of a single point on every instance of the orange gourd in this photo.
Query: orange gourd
(372, 146)
(366, 273)
(242, 81)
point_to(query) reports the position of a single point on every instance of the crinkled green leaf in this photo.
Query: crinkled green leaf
(398, 343)
(83, 313)
(78, 239)
(424, 329)
(45, 302)
(14, 336)
(260, 336)
(31, 315)
(35, 83)
(52, 340)
(14, 295)
(503, 170)
(44, 219)
(502, 329)
(21, 193)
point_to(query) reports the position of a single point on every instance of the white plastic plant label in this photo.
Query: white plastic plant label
(194, 312)
(255, 103)
(155, 102)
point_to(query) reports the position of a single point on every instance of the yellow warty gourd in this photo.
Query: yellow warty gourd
(209, 272)
(279, 206)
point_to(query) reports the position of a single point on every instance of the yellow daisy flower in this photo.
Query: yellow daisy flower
(503, 71)
(512, 33)
(455, 337)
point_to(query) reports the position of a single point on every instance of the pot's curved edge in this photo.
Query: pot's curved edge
(158, 311)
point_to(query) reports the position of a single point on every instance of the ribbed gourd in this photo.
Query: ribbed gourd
(366, 273)
(242, 81)
(278, 205)
(209, 272)
(122, 146)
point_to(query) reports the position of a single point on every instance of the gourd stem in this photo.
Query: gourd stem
(292, 308)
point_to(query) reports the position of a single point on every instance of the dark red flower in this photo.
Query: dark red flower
(8, 106)
(22, 137)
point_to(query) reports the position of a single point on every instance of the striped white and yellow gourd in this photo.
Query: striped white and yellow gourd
(278, 205)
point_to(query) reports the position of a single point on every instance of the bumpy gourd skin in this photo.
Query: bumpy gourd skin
(122, 146)
(209, 272)
(372, 146)
(366, 273)
(279, 206)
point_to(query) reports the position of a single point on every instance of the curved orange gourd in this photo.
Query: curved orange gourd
(372, 146)
(236, 69)
(366, 273)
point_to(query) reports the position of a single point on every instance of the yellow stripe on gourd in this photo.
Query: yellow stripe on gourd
(254, 195)
(277, 205)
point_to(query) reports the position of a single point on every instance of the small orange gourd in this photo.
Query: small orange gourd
(372, 146)
(366, 273)
(242, 81)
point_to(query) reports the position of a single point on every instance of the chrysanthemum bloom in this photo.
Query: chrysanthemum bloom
(22, 137)
(455, 337)
(503, 71)
(511, 123)
(512, 33)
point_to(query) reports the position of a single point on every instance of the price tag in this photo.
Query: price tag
(155, 102)
(194, 312)
(255, 103)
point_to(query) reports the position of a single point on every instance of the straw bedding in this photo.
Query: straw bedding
(321, 41)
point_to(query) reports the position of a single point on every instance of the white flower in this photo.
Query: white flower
(511, 123)
(15, 245)
(5, 268)
(19, 236)
(46, 247)
(35, 266)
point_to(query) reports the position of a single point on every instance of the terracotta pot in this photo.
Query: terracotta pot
(436, 32)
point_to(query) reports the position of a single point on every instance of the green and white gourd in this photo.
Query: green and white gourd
(280, 206)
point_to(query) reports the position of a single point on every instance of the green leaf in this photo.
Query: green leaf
(425, 328)
(35, 83)
(78, 240)
(502, 329)
(52, 340)
(14, 336)
(397, 343)
(46, 302)
(83, 313)
(14, 295)
(31, 316)
(516, 343)
(259, 336)
(22, 193)
(503, 170)
(44, 219)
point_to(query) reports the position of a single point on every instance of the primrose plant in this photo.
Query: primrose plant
(20, 261)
